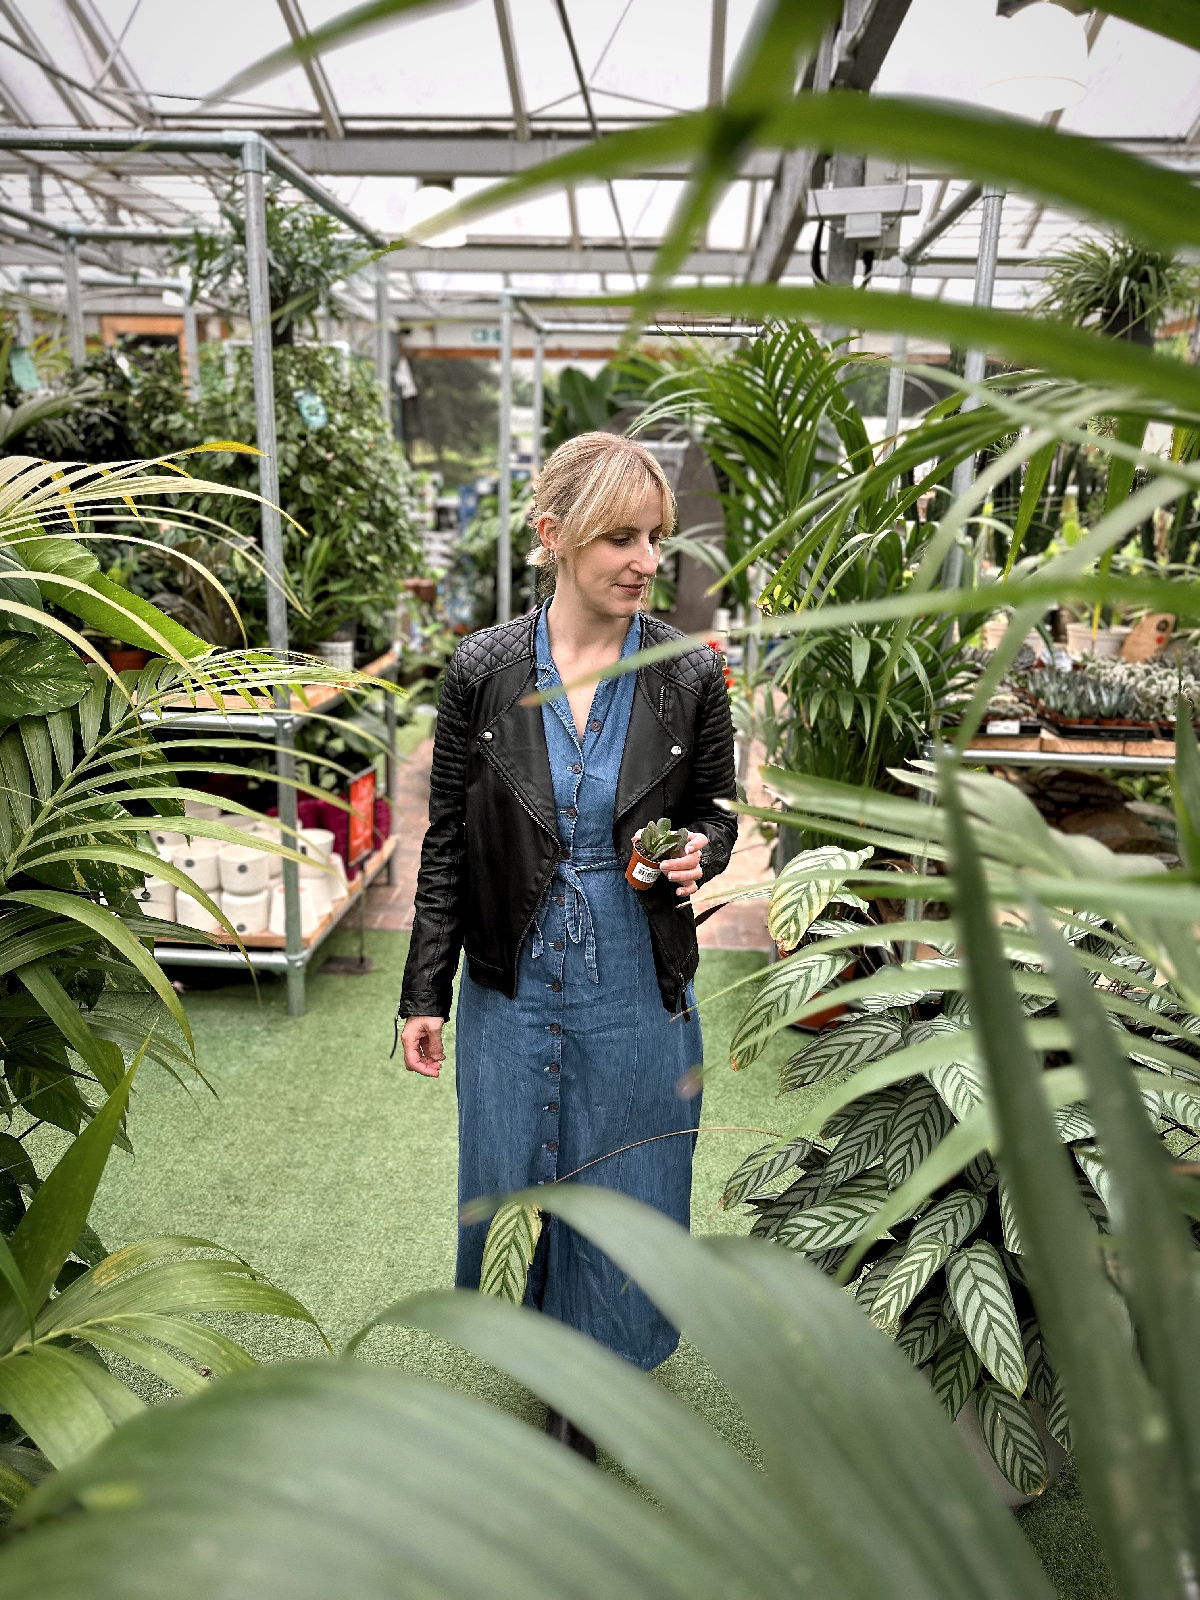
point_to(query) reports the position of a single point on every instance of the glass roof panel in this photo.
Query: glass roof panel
(1140, 86)
(184, 59)
(447, 64)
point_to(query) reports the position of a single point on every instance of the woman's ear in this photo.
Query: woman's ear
(548, 533)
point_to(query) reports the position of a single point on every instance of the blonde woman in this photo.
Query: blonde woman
(574, 1034)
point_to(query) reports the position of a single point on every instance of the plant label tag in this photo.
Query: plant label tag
(1003, 728)
(644, 873)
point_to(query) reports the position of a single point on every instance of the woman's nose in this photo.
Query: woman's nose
(646, 559)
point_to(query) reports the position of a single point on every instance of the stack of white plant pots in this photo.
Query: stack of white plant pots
(245, 887)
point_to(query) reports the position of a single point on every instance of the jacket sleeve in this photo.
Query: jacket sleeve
(440, 907)
(714, 776)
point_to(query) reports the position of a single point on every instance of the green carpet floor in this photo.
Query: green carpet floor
(332, 1170)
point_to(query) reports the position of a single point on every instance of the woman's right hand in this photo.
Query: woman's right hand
(422, 1040)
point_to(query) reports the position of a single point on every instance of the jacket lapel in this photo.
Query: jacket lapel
(652, 748)
(517, 751)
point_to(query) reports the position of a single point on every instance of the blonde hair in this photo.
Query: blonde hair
(592, 484)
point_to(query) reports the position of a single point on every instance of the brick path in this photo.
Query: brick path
(741, 926)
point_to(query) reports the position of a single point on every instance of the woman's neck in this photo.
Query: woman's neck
(576, 630)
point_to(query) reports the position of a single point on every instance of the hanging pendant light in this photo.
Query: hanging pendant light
(1038, 62)
(429, 201)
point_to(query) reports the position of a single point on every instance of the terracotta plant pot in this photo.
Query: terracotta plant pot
(822, 1019)
(128, 660)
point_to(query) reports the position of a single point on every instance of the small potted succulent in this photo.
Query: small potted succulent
(656, 842)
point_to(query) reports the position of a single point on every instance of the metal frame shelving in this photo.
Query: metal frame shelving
(255, 156)
(1090, 760)
(264, 951)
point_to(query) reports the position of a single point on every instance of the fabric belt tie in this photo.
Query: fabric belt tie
(579, 918)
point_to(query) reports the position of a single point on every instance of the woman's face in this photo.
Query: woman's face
(611, 573)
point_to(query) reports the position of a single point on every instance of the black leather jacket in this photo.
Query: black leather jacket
(492, 843)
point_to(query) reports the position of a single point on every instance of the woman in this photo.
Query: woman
(575, 1034)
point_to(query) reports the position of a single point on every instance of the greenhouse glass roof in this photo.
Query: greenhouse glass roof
(461, 94)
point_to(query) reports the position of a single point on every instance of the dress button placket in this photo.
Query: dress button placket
(556, 932)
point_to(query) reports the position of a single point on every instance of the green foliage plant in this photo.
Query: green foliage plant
(659, 840)
(892, 1178)
(89, 764)
(58, 1316)
(775, 422)
(850, 1442)
(1117, 285)
(349, 538)
(308, 255)
(864, 1489)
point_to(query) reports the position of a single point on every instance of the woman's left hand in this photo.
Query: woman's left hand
(684, 870)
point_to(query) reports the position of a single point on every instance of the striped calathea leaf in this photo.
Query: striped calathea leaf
(928, 1247)
(921, 1121)
(864, 1135)
(1058, 1423)
(784, 992)
(805, 887)
(924, 1332)
(508, 1251)
(983, 1299)
(761, 1169)
(798, 1196)
(1012, 1438)
(1037, 1363)
(840, 1049)
(876, 1276)
(836, 1220)
(955, 1372)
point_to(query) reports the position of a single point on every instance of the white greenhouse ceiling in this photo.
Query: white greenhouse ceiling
(458, 95)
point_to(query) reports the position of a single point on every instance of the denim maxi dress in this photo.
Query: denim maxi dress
(585, 1061)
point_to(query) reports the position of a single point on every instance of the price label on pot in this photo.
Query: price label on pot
(645, 873)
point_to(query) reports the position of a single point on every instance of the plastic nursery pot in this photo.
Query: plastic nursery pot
(641, 871)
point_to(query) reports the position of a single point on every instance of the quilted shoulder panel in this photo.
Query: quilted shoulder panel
(693, 668)
(491, 649)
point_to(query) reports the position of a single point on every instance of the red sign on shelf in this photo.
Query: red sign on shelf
(362, 818)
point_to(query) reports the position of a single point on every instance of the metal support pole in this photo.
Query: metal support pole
(539, 394)
(504, 485)
(848, 173)
(76, 343)
(392, 778)
(976, 363)
(895, 395)
(383, 341)
(24, 312)
(191, 340)
(254, 168)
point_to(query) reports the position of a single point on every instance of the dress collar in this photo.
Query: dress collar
(541, 643)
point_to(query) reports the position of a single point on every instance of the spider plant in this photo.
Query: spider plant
(1117, 285)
